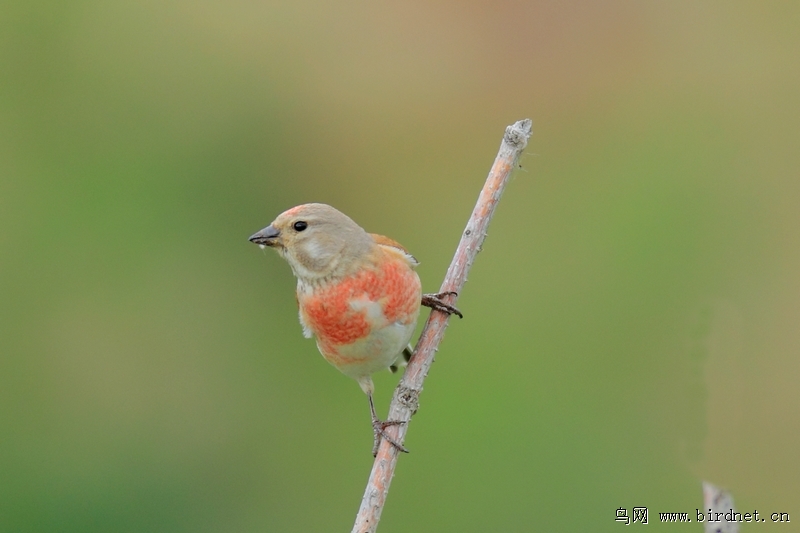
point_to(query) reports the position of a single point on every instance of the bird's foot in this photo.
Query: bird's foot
(379, 430)
(435, 301)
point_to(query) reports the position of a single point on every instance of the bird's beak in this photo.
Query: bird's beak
(266, 237)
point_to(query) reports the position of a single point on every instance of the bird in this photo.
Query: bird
(358, 294)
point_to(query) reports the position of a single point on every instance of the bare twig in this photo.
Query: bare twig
(406, 396)
(721, 517)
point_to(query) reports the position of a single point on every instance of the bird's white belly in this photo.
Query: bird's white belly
(377, 351)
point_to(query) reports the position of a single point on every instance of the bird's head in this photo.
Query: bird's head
(316, 240)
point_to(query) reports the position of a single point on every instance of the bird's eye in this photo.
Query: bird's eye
(300, 225)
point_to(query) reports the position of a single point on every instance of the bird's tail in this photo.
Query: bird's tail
(403, 360)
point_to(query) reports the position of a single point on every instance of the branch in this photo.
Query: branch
(406, 396)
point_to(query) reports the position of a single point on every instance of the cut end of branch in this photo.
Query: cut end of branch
(517, 134)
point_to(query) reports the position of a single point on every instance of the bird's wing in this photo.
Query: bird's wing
(386, 242)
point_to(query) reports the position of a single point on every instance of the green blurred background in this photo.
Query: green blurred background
(632, 326)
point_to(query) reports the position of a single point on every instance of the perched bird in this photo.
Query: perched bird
(357, 292)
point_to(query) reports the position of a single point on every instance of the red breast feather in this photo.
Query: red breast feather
(330, 313)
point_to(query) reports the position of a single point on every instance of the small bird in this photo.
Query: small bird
(357, 292)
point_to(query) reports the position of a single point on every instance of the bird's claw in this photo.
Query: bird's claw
(435, 301)
(379, 430)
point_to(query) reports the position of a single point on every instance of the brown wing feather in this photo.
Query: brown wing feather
(382, 240)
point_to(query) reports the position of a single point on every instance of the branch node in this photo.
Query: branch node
(408, 397)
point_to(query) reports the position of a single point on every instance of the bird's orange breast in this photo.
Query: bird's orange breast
(344, 311)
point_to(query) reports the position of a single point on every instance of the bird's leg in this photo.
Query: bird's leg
(379, 429)
(435, 301)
